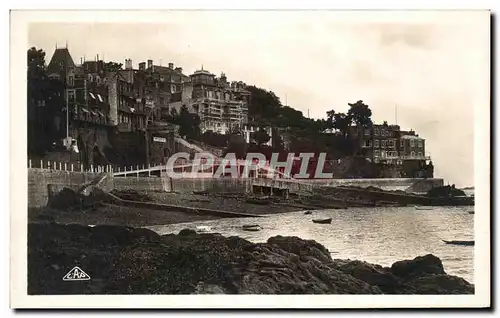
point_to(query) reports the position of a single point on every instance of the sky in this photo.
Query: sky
(433, 67)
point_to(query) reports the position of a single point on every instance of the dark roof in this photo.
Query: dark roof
(202, 72)
(164, 69)
(60, 58)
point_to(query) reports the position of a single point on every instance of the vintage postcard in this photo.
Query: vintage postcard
(250, 159)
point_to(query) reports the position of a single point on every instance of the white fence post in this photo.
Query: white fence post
(41, 164)
(60, 165)
(65, 167)
(91, 168)
(149, 170)
(29, 163)
(71, 167)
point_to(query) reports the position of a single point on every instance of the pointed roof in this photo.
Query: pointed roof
(59, 60)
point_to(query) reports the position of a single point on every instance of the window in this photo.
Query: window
(402, 143)
(376, 143)
(370, 143)
(412, 143)
(71, 95)
(367, 132)
(420, 143)
(376, 153)
(173, 88)
(376, 132)
(382, 143)
(71, 80)
(420, 154)
(413, 153)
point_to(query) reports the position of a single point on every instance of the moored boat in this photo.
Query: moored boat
(251, 228)
(423, 208)
(323, 221)
(459, 242)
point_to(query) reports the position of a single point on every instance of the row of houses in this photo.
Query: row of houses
(99, 93)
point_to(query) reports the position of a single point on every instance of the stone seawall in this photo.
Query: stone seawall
(44, 182)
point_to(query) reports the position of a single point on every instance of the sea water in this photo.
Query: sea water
(377, 235)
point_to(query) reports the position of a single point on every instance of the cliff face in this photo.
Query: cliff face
(123, 260)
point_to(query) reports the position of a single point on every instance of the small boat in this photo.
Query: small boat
(202, 192)
(471, 212)
(459, 242)
(423, 208)
(323, 221)
(307, 212)
(251, 228)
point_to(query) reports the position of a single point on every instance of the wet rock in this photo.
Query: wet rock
(124, 260)
(299, 246)
(65, 199)
(439, 284)
(370, 273)
(186, 232)
(419, 266)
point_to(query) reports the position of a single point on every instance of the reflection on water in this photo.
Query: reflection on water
(375, 235)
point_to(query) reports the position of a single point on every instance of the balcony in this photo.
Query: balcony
(392, 157)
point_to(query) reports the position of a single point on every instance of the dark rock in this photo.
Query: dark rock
(440, 284)
(186, 232)
(445, 191)
(65, 199)
(124, 260)
(419, 266)
(302, 247)
(371, 274)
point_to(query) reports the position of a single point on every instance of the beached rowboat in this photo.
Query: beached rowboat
(323, 221)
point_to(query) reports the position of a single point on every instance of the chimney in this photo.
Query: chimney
(142, 66)
(150, 63)
(178, 69)
(171, 66)
(128, 64)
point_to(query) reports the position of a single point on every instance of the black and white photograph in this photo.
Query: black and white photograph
(169, 153)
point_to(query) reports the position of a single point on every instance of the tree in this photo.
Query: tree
(342, 122)
(189, 124)
(360, 114)
(260, 136)
(236, 145)
(43, 98)
(113, 66)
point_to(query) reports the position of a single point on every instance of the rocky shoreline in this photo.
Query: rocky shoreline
(125, 260)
